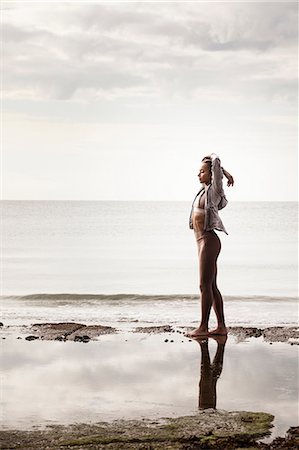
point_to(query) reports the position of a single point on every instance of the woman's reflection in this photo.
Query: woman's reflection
(209, 373)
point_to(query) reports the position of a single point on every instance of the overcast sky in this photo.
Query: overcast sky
(121, 100)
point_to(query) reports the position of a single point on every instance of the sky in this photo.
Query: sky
(121, 100)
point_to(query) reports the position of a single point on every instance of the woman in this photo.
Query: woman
(204, 219)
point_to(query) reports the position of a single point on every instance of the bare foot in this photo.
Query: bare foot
(198, 332)
(222, 331)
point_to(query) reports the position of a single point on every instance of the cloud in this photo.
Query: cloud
(120, 50)
(249, 26)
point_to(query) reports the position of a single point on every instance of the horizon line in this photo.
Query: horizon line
(129, 200)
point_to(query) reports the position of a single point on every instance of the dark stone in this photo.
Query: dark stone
(292, 434)
(31, 338)
(83, 338)
(1, 324)
(166, 340)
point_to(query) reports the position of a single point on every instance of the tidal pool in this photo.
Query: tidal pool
(135, 375)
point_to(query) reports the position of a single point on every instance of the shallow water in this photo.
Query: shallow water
(124, 311)
(138, 375)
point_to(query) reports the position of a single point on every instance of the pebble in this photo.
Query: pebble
(31, 338)
(166, 340)
(84, 338)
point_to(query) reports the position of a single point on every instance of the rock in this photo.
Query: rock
(31, 338)
(292, 433)
(92, 331)
(69, 330)
(242, 333)
(166, 340)
(290, 442)
(1, 324)
(84, 338)
(281, 334)
(51, 331)
(185, 432)
(155, 329)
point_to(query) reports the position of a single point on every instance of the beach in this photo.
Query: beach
(90, 377)
(93, 323)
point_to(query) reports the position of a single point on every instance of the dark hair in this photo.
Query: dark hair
(208, 161)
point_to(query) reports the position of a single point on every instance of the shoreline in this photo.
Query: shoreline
(74, 331)
(192, 432)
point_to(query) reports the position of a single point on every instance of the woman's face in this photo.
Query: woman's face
(204, 173)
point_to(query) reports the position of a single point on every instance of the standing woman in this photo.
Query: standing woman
(204, 219)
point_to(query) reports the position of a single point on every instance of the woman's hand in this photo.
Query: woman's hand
(229, 177)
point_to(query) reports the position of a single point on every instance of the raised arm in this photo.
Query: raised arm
(230, 180)
(217, 172)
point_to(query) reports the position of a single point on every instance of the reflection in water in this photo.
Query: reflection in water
(137, 375)
(209, 373)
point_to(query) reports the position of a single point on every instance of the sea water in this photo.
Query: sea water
(124, 261)
(128, 264)
(100, 247)
(136, 375)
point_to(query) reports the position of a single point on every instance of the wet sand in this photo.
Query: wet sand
(94, 380)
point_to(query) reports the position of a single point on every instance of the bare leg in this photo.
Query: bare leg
(208, 250)
(218, 308)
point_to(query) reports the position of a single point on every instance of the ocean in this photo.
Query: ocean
(132, 264)
(135, 259)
